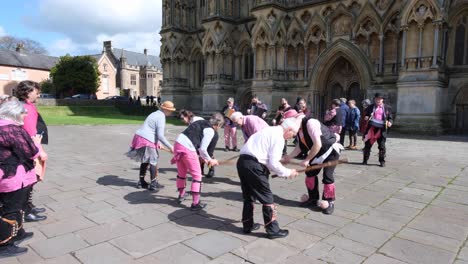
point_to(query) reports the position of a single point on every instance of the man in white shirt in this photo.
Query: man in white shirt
(200, 135)
(258, 157)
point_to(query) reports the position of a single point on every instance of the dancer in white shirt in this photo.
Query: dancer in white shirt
(260, 156)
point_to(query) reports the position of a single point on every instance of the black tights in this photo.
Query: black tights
(352, 137)
(153, 170)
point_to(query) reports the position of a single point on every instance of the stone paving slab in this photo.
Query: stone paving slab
(414, 210)
(214, 244)
(58, 246)
(178, 253)
(102, 253)
(107, 231)
(150, 240)
(412, 252)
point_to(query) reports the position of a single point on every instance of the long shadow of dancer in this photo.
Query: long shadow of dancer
(115, 180)
(237, 196)
(205, 220)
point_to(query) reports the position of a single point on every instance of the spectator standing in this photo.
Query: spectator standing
(230, 128)
(352, 124)
(344, 109)
(28, 92)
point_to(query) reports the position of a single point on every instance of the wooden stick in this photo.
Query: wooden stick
(320, 166)
(226, 161)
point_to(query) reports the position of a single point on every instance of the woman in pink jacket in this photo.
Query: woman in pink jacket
(17, 175)
(28, 92)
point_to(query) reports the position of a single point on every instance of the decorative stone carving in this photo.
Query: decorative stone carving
(271, 18)
(420, 13)
(341, 26)
(367, 28)
(287, 21)
(355, 7)
(327, 11)
(382, 5)
(305, 17)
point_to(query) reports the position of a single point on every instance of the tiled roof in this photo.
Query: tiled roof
(137, 59)
(26, 60)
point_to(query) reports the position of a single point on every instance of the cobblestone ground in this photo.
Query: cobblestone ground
(415, 210)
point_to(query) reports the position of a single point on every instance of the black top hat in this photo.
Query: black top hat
(379, 95)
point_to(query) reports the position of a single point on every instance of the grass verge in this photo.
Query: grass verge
(92, 115)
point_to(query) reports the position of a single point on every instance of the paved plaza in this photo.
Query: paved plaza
(415, 210)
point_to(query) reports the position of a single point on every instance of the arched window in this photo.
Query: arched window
(461, 49)
(247, 63)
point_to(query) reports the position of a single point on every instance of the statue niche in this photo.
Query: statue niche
(341, 26)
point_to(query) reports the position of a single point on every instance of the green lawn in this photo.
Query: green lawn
(91, 115)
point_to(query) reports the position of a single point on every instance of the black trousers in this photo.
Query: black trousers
(255, 186)
(13, 204)
(380, 142)
(342, 136)
(327, 179)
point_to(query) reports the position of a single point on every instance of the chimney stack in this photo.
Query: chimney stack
(20, 48)
(107, 46)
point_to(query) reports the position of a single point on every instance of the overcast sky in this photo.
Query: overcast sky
(80, 26)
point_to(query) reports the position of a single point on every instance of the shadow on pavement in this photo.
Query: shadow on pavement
(149, 197)
(213, 222)
(165, 170)
(114, 180)
(237, 196)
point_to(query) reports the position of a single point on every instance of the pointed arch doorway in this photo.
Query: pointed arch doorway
(340, 71)
(342, 81)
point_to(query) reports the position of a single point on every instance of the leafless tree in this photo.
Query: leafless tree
(31, 46)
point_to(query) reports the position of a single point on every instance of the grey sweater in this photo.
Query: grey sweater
(153, 128)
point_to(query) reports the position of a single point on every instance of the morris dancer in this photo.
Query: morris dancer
(17, 175)
(199, 135)
(260, 155)
(379, 118)
(144, 147)
(189, 117)
(250, 124)
(321, 145)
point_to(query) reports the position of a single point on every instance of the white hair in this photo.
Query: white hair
(235, 116)
(292, 122)
(12, 110)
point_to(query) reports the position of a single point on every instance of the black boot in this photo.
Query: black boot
(382, 158)
(154, 185)
(329, 210)
(366, 155)
(38, 210)
(142, 183)
(210, 173)
(22, 236)
(11, 250)
(34, 218)
(271, 225)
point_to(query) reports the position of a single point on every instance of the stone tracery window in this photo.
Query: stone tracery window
(247, 63)
(461, 39)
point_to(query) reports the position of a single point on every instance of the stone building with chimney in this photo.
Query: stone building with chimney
(18, 65)
(415, 52)
(130, 73)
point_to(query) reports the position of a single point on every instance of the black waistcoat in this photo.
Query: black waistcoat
(328, 138)
(195, 133)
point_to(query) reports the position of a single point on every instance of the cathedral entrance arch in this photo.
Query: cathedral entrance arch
(461, 104)
(341, 71)
(244, 100)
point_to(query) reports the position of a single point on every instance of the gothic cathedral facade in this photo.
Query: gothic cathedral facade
(415, 52)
